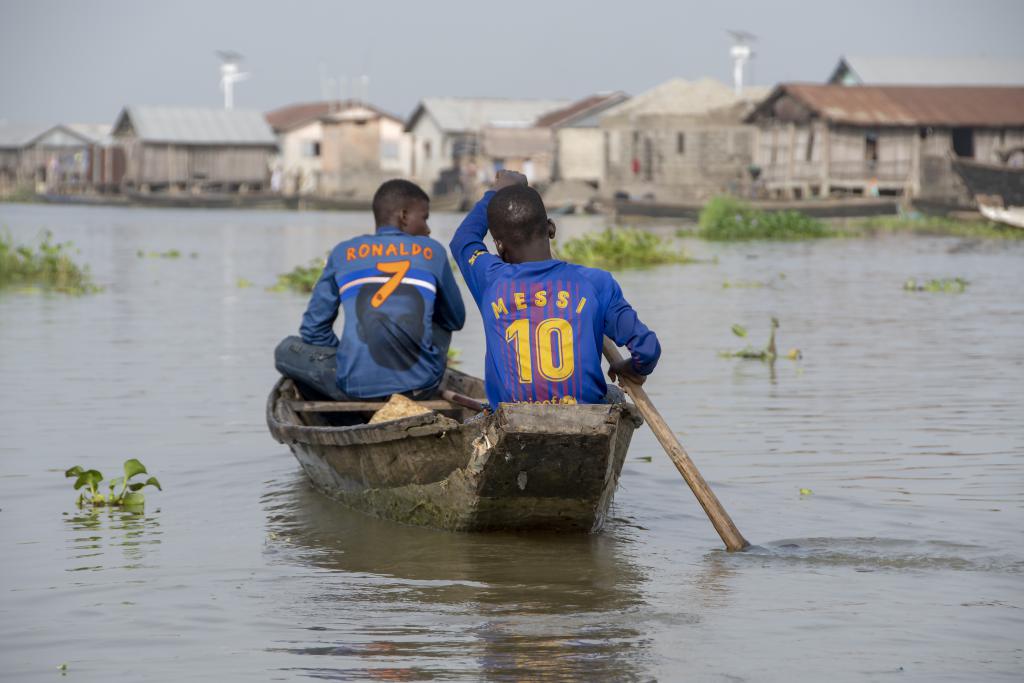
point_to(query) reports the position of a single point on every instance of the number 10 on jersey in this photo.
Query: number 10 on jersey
(550, 342)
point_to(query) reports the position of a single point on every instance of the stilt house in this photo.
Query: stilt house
(825, 139)
(176, 148)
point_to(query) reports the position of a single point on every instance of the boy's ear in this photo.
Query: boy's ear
(551, 229)
(403, 219)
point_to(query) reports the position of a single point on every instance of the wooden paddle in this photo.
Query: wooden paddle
(720, 519)
(666, 437)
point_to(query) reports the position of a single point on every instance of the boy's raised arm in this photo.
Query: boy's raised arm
(468, 246)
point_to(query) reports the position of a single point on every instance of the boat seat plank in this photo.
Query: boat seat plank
(360, 406)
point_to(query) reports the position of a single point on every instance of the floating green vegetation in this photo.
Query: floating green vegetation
(920, 224)
(242, 283)
(23, 194)
(621, 248)
(953, 285)
(743, 284)
(453, 355)
(170, 253)
(89, 483)
(767, 354)
(301, 278)
(48, 267)
(725, 219)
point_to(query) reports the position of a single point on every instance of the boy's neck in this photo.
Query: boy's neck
(534, 251)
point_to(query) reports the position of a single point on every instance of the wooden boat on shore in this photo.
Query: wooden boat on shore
(998, 189)
(522, 467)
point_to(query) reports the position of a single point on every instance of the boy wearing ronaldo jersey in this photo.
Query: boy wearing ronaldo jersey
(544, 319)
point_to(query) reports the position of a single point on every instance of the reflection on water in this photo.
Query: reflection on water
(96, 534)
(502, 604)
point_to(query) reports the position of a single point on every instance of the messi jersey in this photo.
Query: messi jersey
(545, 322)
(401, 305)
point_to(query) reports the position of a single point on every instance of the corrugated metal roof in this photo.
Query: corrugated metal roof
(18, 135)
(580, 111)
(907, 105)
(196, 126)
(685, 98)
(96, 132)
(459, 114)
(294, 115)
(934, 70)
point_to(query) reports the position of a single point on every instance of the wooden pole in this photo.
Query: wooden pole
(666, 437)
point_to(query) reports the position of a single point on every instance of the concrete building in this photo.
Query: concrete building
(822, 139)
(448, 135)
(528, 150)
(681, 141)
(178, 148)
(300, 140)
(579, 149)
(362, 147)
(325, 146)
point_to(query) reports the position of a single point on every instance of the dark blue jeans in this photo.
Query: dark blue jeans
(315, 368)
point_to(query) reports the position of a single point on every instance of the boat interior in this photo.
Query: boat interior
(460, 398)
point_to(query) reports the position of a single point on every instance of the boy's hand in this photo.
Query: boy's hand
(623, 370)
(505, 179)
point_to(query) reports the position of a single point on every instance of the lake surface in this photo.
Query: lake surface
(905, 418)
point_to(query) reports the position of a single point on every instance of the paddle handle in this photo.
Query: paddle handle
(464, 401)
(666, 437)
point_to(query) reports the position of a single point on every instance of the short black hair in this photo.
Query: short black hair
(393, 196)
(516, 214)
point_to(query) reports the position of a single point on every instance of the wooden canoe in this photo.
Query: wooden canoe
(522, 467)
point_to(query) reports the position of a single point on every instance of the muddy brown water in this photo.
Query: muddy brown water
(905, 419)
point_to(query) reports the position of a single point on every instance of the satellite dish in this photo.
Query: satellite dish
(229, 75)
(741, 54)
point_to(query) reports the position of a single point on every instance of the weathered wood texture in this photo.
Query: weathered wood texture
(194, 166)
(522, 467)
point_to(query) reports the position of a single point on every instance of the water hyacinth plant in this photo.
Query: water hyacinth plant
(620, 248)
(953, 285)
(89, 484)
(767, 354)
(725, 219)
(169, 254)
(301, 278)
(49, 267)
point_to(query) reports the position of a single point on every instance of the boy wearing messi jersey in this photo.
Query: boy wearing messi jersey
(544, 319)
(401, 306)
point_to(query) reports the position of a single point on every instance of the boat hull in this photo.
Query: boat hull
(523, 467)
(998, 190)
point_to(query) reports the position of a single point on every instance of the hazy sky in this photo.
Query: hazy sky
(80, 61)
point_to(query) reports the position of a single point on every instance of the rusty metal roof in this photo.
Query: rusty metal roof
(581, 110)
(866, 105)
(294, 115)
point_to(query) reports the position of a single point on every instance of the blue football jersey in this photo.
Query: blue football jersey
(545, 322)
